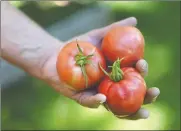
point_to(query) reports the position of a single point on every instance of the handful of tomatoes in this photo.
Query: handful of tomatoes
(81, 65)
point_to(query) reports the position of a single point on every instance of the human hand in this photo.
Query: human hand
(90, 98)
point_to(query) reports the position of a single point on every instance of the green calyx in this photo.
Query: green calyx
(82, 60)
(116, 74)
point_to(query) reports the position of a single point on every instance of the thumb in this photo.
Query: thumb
(99, 33)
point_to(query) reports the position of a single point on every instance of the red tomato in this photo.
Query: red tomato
(78, 67)
(125, 93)
(124, 41)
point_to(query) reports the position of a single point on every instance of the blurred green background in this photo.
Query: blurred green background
(31, 104)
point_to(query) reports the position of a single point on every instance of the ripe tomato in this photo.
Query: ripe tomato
(124, 89)
(77, 65)
(124, 41)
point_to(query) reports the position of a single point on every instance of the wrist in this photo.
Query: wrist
(25, 44)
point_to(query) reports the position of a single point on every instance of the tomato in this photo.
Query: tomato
(123, 41)
(124, 89)
(77, 65)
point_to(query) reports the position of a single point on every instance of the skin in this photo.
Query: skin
(124, 41)
(71, 73)
(35, 51)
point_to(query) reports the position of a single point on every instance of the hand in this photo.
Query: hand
(90, 98)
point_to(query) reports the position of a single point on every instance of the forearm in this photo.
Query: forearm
(23, 42)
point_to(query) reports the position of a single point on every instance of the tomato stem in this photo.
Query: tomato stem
(117, 74)
(105, 72)
(85, 75)
(82, 60)
(80, 50)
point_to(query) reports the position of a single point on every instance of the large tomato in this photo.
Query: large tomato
(77, 65)
(124, 41)
(124, 89)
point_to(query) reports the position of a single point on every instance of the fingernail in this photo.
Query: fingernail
(154, 92)
(142, 67)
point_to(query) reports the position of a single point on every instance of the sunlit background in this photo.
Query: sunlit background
(31, 104)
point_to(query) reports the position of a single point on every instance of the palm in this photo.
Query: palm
(90, 98)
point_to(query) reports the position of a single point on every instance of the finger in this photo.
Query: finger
(142, 67)
(91, 101)
(94, 101)
(131, 21)
(97, 34)
(140, 114)
(151, 95)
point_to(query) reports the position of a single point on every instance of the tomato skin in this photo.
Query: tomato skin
(71, 74)
(126, 96)
(124, 41)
